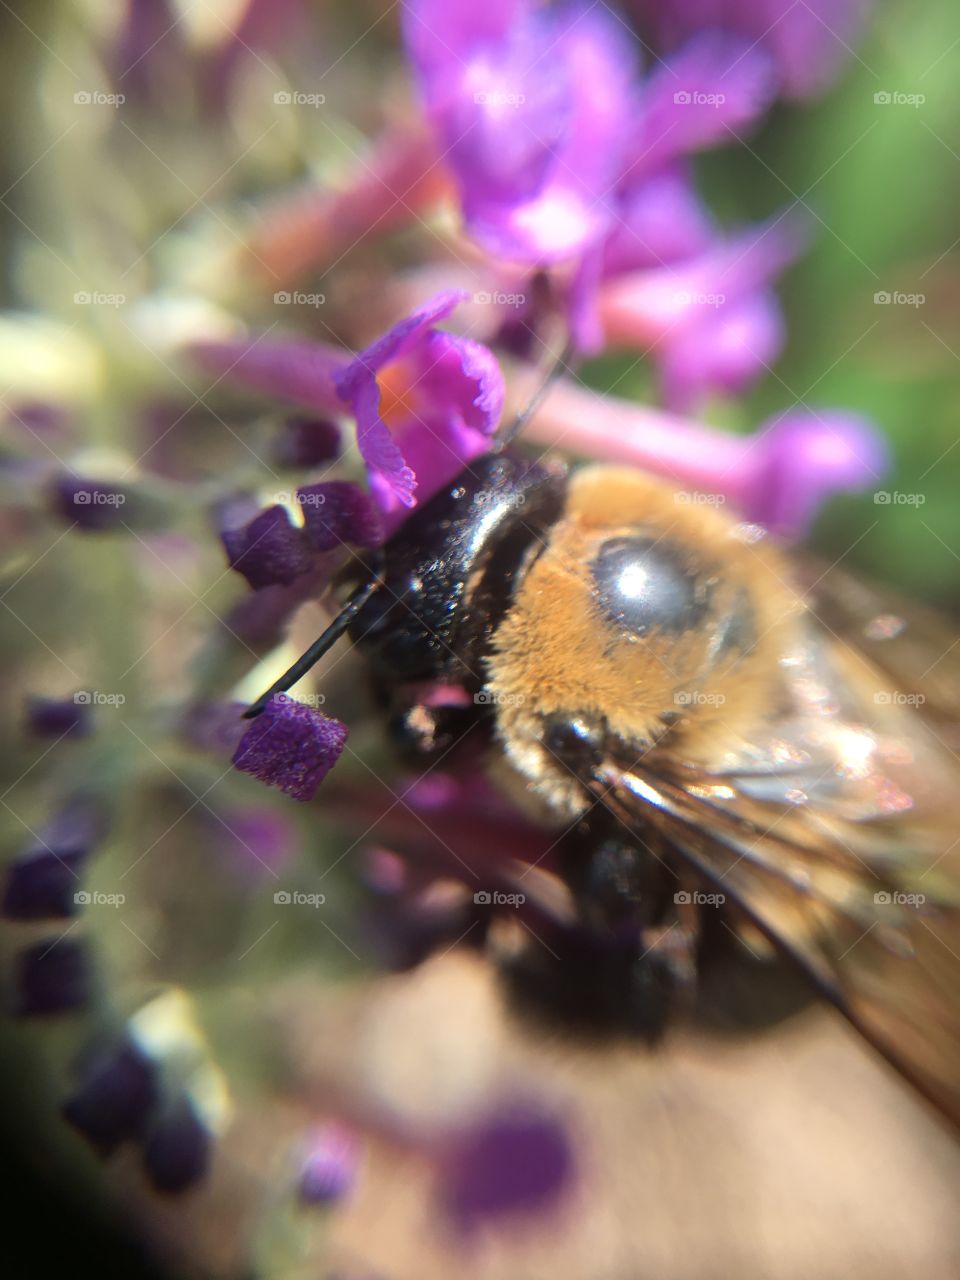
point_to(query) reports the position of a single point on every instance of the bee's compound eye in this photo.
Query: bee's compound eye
(645, 583)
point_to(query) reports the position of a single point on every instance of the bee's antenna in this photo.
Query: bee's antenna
(319, 647)
(513, 429)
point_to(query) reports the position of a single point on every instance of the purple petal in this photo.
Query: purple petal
(43, 885)
(399, 339)
(518, 1162)
(330, 1169)
(802, 458)
(93, 506)
(291, 746)
(307, 442)
(337, 512)
(176, 1150)
(726, 352)
(292, 369)
(114, 1098)
(269, 550)
(707, 93)
(53, 976)
(58, 717)
(661, 220)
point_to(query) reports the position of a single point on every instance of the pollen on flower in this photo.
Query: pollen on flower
(291, 746)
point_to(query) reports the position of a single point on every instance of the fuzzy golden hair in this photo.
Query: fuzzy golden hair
(556, 654)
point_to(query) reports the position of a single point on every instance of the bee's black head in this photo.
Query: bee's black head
(449, 570)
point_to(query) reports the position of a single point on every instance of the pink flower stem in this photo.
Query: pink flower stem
(315, 227)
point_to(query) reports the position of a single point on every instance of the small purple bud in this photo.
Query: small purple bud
(176, 1151)
(117, 1091)
(339, 512)
(330, 1169)
(57, 717)
(515, 1163)
(307, 442)
(43, 881)
(53, 976)
(43, 885)
(93, 506)
(268, 550)
(291, 746)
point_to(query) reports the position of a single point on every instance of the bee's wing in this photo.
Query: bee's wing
(836, 833)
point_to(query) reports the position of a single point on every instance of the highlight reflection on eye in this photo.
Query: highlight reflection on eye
(643, 583)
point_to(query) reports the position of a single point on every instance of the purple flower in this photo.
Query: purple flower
(809, 41)
(58, 717)
(117, 1090)
(337, 512)
(43, 880)
(53, 976)
(518, 1161)
(269, 549)
(176, 1148)
(699, 97)
(330, 1168)
(291, 746)
(532, 107)
(425, 402)
(93, 506)
(255, 841)
(307, 442)
(802, 457)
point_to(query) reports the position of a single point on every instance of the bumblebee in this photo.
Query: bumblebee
(725, 732)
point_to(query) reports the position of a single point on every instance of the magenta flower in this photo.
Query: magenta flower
(531, 106)
(425, 402)
(291, 746)
(809, 40)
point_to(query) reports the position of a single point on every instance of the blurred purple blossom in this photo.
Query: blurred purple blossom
(116, 1091)
(54, 975)
(57, 717)
(330, 1167)
(269, 549)
(336, 512)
